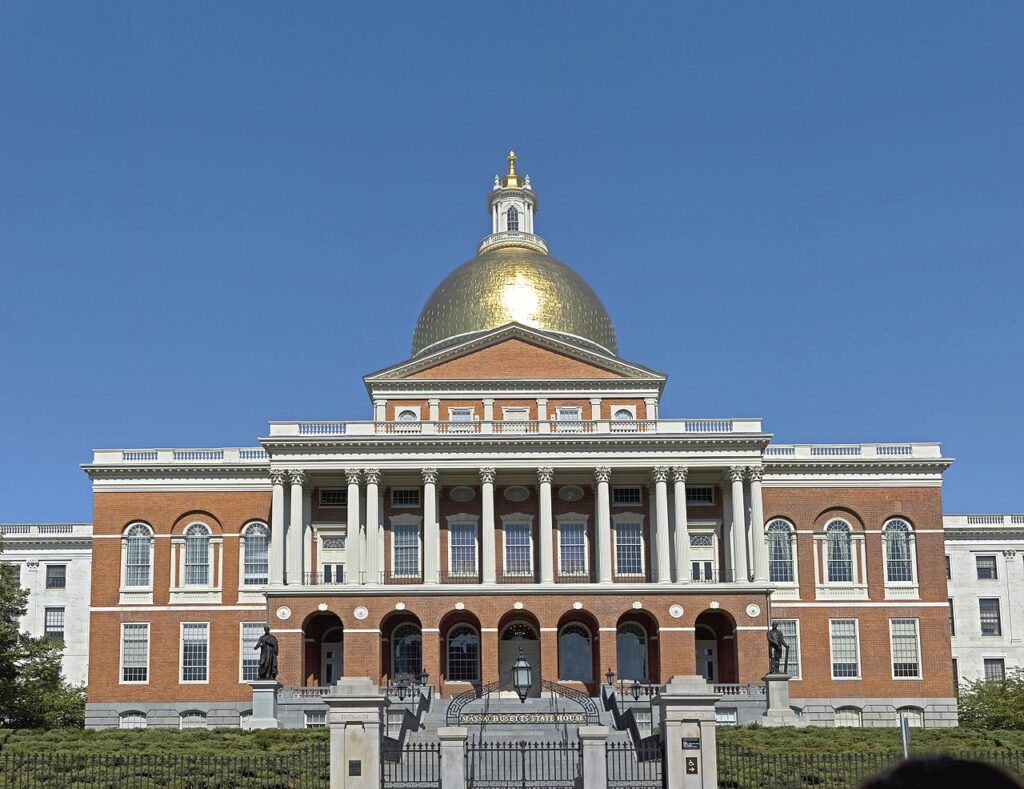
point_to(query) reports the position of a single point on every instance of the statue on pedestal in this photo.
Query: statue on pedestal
(267, 646)
(776, 645)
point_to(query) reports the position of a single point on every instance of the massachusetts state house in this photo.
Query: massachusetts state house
(516, 488)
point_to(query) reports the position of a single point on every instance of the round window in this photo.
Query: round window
(463, 493)
(623, 413)
(517, 493)
(570, 493)
(407, 416)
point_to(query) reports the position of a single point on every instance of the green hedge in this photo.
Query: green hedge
(820, 740)
(160, 742)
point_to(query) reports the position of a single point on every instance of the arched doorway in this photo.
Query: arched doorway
(579, 652)
(715, 647)
(460, 650)
(515, 637)
(636, 647)
(325, 649)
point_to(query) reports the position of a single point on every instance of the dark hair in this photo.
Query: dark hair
(938, 772)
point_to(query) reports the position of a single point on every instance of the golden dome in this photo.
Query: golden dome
(509, 284)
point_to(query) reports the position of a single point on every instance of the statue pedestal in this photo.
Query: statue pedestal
(264, 705)
(779, 712)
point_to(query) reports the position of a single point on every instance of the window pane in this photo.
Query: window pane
(629, 549)
(840, 565)
(194, 652)
(135, 652)
(791, 633)
(463, 654)
(257, 561)
(952, 618)
(137, 556)
(991, 623)
(197, 556)
(700, 494)
(316, 719)
(193, 720)
(405, 497)
(631, 652)
(780, 552)
(624, 495)
(905, 656)
(572, 550)
(55, 623)
(898, 566)
(986, 567)
(518, 556)
(131, 720)
(843, 634)
(406, 550)
(56, 576)
(251, 632)
(407, 646)
(574, 654)
(995, 669)
(463, 548)
(847, 717)
(333, 497)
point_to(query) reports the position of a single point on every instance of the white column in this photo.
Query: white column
(487, 516)
(277, 528)
(682, 535)
(544, 477)
(434, 410)
(353, 557)
(595, 408)
(294, 557)
(380, 410)
(652, 407)
(372, 525)
(542, 416)
(662, 564)
(603, 475)
(739, 527)
(489, 409)
(728, 561)
(755, 473)
(431, 528)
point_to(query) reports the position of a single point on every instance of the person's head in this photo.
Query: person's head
(939, 772)
(266, 628)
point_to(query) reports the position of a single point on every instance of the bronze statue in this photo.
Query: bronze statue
(776, 645)
(267, 645)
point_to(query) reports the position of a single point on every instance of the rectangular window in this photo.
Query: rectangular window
(986, 568)
(625, 495)
(995, 669)
(791, 632)
(952, 618)
(725, 716)
(569, 413)
(316, 719)
(991, 622)
(460, 414)
(135, 652)
(700, 495)
(405, 497)
(55, 623)
(462, 538)
(949, 570)
(572, 548)
(405, 550)
(56, 576)
(906, 655)
(251, 632)
(195, 651)
(518, 550)
(333, 497)
(845, 648)
(956, 676)
(629, 551)
(334, 573)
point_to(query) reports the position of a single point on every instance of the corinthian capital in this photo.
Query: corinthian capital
(603, 474)
(545, 474)
(487, 475)
(755, 473)
(679, 473)
(296, 476)
(277, 476)
(353, 476)
(659, 474)
(372, 476)
(429, 476)
(735, 473)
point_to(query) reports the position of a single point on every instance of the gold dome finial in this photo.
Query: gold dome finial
(511, 180)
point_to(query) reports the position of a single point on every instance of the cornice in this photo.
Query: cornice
(514, 385)
(856, 465)
(248, 470)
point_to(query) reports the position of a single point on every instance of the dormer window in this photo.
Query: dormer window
(407, 415)
(512, 215)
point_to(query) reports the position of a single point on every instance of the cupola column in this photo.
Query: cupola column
(603, 475)
(487, 558)
(544, 477)
(431, 528)
(353, 543)
(739, 526)
(372, 526)
(760, 544)
(297, 478)
(682, 533)
(276, 528)
(662, 559)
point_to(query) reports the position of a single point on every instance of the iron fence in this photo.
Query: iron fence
(523, 765)
(305, 769)
(629, 768)
(412, 766)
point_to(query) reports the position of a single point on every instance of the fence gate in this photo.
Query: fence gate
(631, 768)
(411, 766)
(524, 765)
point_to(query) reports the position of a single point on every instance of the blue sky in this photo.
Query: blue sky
(215, 215)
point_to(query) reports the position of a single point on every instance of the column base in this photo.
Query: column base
(264, 705)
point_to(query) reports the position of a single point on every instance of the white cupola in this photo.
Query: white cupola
(512, 204)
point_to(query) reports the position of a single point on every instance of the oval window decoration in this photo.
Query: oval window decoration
(462, 493)
(570, 493)
(517, 493)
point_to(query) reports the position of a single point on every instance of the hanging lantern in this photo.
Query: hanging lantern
(609, 675)
(635, 690)
(522, 677)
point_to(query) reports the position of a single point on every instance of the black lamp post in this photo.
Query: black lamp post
(522, 677)
(423, 677)
(402, 689)
(610, 675)
(635, 690)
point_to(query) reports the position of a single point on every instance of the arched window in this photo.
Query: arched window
(193, 720)
(840, 564)
(407, 651)
(197, 555)
(407, 415)
(631, 652)
(133, 719)
(622, 414)
(780, 552)
(463, 654)
(848, 717)
(898, 561)
(256, 560)
(513, 218)
(138, 555)
(574, 654)
(914, 716)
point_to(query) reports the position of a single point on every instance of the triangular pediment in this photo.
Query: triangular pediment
(515, 352)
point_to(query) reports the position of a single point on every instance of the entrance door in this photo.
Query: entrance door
(515, 637)
(331, 657)
(707, 655)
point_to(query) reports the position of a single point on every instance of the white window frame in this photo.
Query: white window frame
(574, 517)
(900, 589)
(995, 560)
(122, 716)
(242, 536)
(711, 503)
(419, 495)
(854, 589)
(795, 583)
(407, 521)
(415, 410)
(320, 723)
(614, 409)
(999, 603)
(860, 716)
(121, 666)
(461, 409)
(831, 650)
(136, 594)
(629, 518)
(181, 655)
(519, 519)
(466, 522)
(242, 652)
(198, 714)
(638, 503)
(320, 498)
(1001, 658)
(917, 644)
(515, 413)
(800, 645)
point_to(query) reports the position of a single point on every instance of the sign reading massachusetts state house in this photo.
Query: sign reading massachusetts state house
(522, 717)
